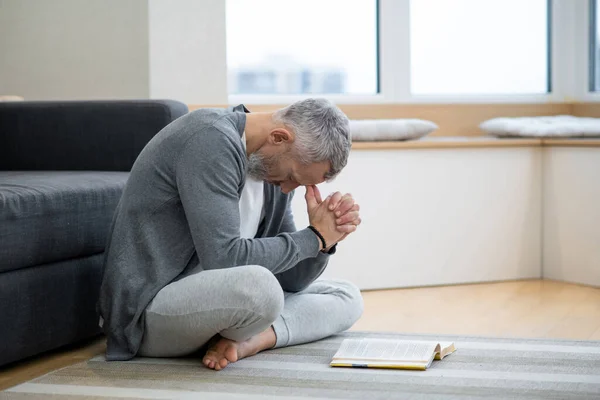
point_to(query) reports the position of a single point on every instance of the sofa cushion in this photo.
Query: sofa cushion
(46, 216)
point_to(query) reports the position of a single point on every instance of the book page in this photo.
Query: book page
(385, 350)
(445, 349)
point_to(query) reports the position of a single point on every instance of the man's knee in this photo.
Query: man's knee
(261, 291)
(353, 300)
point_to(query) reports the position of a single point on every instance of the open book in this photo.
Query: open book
(390, 353)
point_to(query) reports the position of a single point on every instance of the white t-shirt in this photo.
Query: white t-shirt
(251, 204)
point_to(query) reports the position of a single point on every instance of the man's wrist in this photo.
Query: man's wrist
(322, 241)
(330, 250)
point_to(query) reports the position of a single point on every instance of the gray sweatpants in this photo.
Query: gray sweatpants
(240, 302)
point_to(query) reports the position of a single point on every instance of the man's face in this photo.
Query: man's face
(283, 170)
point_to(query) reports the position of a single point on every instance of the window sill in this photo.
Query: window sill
(445, 143)
(572, 142)
(473, 142)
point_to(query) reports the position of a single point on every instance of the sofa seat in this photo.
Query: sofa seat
(47, 216)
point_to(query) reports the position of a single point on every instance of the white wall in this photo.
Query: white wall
(188, 51)
(94, 49)
(439, 216)
(73, 49)
(572, 214)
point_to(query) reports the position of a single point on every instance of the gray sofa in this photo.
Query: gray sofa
(63, 166)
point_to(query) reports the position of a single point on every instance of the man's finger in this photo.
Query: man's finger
(344, 197)
(317, 194)
(348, 228)
(349, 218)
(335, 199)
(311, 201)
(343, 237)
(345, 206)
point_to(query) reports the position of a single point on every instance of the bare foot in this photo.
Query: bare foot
(223, 351)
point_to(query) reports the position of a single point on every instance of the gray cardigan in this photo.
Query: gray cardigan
(179, 215)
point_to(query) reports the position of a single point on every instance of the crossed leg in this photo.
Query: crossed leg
(241, 311)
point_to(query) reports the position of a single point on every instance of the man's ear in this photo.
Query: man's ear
(280, 136)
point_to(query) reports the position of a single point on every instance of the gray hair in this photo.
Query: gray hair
(322, 132)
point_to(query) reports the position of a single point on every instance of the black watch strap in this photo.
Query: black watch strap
(331, 251)
(323, 242)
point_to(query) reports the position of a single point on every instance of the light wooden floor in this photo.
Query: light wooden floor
(523, 308)
(537, 308)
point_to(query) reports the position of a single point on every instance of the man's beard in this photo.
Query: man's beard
(259, 166)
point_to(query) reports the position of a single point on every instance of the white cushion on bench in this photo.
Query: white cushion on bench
(552, 126)
(368, 130)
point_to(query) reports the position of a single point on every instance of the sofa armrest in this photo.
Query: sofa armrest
(80, 135)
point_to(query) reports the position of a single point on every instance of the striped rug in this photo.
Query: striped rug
(480, 368)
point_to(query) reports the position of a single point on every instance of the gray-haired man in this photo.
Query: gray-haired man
(203, 244)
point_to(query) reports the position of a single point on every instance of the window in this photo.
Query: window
(479, 47)
(302, 47)
(594, 81)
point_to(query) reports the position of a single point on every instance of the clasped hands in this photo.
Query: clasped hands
(335, 217)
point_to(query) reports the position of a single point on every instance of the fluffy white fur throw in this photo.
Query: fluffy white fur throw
(555, 126)
(390, 129)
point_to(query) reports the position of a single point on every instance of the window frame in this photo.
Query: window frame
(583, 27)
(592, 46)
(567, 64)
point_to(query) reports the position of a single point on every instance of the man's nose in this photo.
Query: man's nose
(288, 187)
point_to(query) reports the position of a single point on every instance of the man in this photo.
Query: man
(203, 244)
